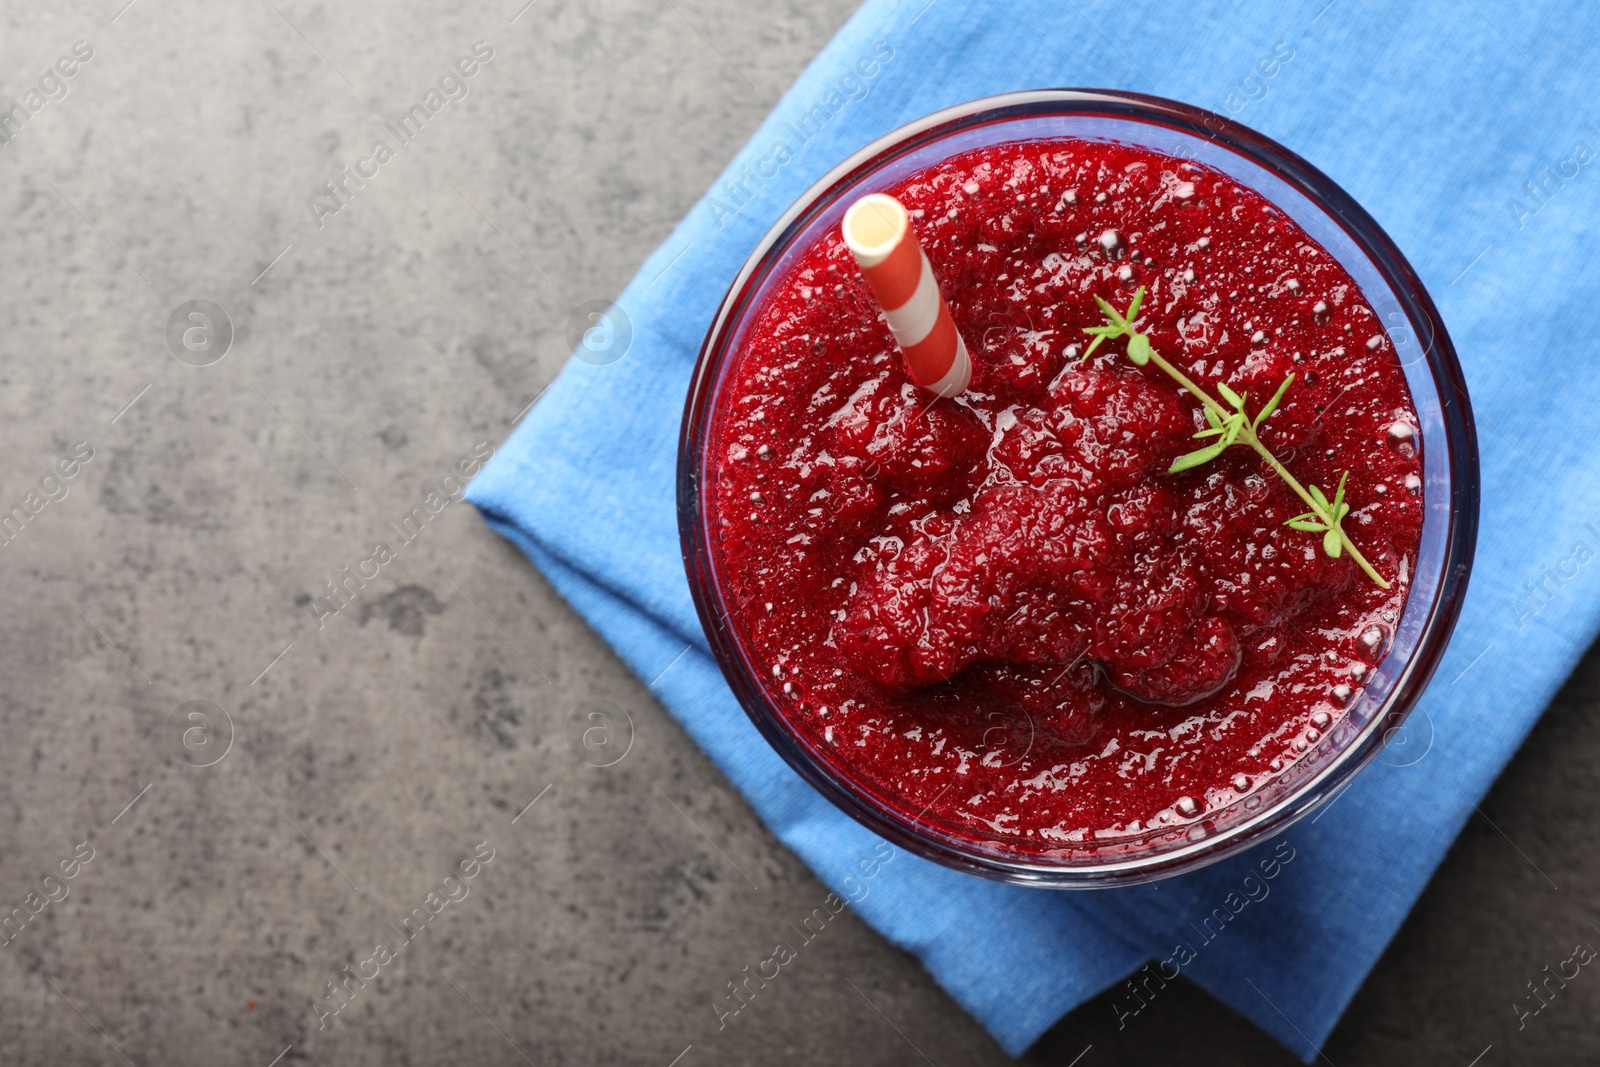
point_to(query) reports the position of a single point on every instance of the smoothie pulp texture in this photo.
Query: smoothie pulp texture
(1000, 615)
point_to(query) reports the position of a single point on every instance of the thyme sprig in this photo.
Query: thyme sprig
(1232, 425)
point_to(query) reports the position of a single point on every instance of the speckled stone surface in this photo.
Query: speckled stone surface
(347, 762)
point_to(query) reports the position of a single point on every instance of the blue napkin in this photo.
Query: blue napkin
(1465, 130)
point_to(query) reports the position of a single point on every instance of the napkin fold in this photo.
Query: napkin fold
(1466, 132)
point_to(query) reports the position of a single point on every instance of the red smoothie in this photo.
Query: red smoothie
(1000, 614)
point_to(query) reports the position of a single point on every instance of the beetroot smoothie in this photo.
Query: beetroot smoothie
(1000, 614)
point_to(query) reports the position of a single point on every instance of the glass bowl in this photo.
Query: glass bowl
(1447, 440)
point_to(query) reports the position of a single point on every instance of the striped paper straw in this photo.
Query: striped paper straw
(877, 230)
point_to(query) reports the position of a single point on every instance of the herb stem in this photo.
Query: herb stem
(1200, 394)
(1244, 432)
(1250, 438)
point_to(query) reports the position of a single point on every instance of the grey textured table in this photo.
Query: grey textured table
(346, 760)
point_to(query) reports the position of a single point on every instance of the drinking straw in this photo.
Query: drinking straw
(877, 230)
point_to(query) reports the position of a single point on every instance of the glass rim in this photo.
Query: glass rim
(1320, 783)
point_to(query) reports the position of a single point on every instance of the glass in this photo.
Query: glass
(1447, 440)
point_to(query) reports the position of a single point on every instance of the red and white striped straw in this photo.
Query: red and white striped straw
(877, 230)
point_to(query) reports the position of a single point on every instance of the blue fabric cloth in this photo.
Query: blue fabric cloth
(1464, 130)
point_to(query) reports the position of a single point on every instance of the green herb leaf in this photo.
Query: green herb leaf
(1272, 405)
(1111, 313)
(1230, 396)
(1331, 544)
(1133, 308)
(1305, 525)
(1195, 459)
(1139, 349)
